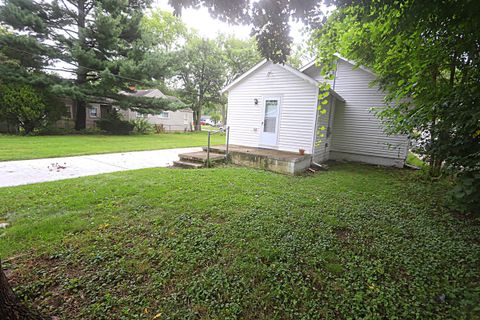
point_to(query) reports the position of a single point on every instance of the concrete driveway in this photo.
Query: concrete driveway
(14, 173)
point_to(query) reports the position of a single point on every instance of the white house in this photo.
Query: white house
(276, 107)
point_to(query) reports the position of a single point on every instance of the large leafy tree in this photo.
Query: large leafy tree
(427, 58)
(164, 30)
(206, 66)
(239, 55)
(299, 55)
(202, 74)
(164, 35)
(99, 43)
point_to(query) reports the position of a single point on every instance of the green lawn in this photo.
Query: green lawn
(354, 242)
(25, 147)
(414, 160)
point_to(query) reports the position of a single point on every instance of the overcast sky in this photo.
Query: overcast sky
(206, 26)
(200, 20)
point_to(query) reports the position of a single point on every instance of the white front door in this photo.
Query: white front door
(269, 132)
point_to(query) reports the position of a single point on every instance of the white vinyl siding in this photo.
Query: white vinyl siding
(180, 120)
(297, 108)
(356, 129)
(357, 134)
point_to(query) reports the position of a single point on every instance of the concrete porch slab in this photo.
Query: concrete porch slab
(271, 153)
(267, 159)
(201, 156)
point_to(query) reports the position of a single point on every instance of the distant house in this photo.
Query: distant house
(277, 107)
(98, 108)
(169, 121)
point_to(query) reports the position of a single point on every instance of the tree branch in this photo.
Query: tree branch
(72, 14)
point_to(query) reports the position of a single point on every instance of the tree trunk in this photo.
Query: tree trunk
(28, 127)
(81, 115)
(10, 306)
(196, 120)
(434, 163)
(441, 133)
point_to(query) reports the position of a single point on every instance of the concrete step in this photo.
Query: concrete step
(201, 157)
(218, 150)
(188, 165)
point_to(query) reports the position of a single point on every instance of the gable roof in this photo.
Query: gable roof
(336, 95)
(262, 63)
(151, 93)
(308, 65)
(312, 63)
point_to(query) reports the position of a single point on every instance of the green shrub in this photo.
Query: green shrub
(55, 131)
(215, 117)
(414, 160)
(142, 126)
(466, 193)
(114, 124)
(28, 107)
(88, 131)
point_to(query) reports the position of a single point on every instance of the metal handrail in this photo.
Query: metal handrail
(227, 130)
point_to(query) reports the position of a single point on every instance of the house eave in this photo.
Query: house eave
(336, 95)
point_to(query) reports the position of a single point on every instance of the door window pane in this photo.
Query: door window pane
(270, 121)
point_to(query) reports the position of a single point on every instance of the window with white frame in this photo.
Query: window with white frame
(164, 114)
(93, 112)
